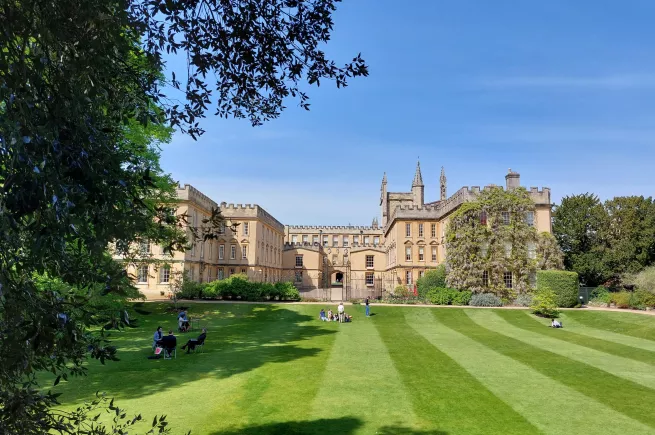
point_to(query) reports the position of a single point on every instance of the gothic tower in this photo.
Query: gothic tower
(442, 184)
(383, 199)
(418, 188)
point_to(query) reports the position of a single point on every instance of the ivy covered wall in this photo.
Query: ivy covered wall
(494, 235)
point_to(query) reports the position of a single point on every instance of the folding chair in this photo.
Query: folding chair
(168, 352)
(200, 346)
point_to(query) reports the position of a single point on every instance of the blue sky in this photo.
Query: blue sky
(561, 91)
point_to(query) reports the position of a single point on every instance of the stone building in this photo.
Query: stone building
(342, 261)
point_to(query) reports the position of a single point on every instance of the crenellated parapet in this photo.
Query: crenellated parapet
(191, 194)
(304, 245)
(253, 211)
(333, 229)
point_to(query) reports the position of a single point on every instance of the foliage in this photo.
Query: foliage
(191, 289)
(239, 287)
(461, 297)
(479, 240)
(645, 280)
(401, 291)
(642, 299)
(600, 296)
(622, 299)
(82, 112)
(605, 241)
(440, 295)
(485, 300)
(544, 303)
(549, 254)
(563, 284)
(432, 278)
(523, 300)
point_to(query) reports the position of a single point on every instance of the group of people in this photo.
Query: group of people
(168, 343)
(340, 315)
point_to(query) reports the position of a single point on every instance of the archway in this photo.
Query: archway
(338, 277)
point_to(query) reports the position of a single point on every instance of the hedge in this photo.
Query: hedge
(563, 284)
(238, 287)
(433, 278)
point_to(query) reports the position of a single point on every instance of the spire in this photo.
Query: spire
(384, 178)
(442, 183)
(418, 179)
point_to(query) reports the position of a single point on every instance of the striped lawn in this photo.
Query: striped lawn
(276, 369)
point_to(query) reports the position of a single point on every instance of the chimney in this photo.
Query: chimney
(512, 180)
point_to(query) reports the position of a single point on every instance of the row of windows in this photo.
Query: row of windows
(165, 274)
(506, 218)
(366, 240)
(531, 247)
(421, 253)
(370, 261)
(421, 233)
(370, 277)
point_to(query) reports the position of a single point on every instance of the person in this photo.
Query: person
(368, 308)
(340, 310)
(159, 334)
(183, 323)
(181, 313)
(168, 342)
(555, 324)
(322, 315)
(191, 344)
(330, 316)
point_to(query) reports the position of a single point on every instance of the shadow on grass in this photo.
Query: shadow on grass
(240, 338)
(341, 426)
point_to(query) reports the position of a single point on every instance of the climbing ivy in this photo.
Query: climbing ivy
(493, 234)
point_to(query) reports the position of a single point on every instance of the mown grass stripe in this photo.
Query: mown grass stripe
(530, 322)
(442, 392)
(361, 381)
(625, 368)
(521, 386)
(604, 387)
(628, 340)
(635, 325)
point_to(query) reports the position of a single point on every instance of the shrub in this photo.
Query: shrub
(544, 304)
(190, 290)
(401, 291)
(238, 287)
(485, 300)
(645, 298)
(645, 280)
(523, 300)
(622, 299)
(433, 278)
(563, 284)
(440, 296)
(600, 295)
(462, 297)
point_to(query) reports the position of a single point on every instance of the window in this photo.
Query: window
(305, 239)
(298, 260)
(508, 249)
(233, 252)
(246, 228)
(202, 249)
(315, 240)
(420, 230)
(408, 277)
(532, 250)
(366, 240)
(334, 258)
(408, 254)
(483, 218)
(298, 277)
(507, 277)
(355, 240)
(369, 262)
(231, 271)
(144, 247)
(221, 251)
(244, 271)
(408, 230)
(420, 254)
(369, 278)
(221, 273)
(376, 240)
(244, 251)
(345, 241)
(192, 273)
(421, 274)
(165, 275)
(143, 274)
(335, 241)
(505, 216)
(529, 218)
(294, 239)
(210, 275)
(193, 249)
(485, 279)
(484, 249)
(211, 250)
(325, 240)
(434, 253)
(433, 230)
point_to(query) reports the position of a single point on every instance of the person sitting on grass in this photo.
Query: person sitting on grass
(183, 323)
(191, 344)
(330, 316)
(322, 315)
(347, 318)
(168, 343)
(555, 324)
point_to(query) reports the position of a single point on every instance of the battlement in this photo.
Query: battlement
(331, 227)
(253, 211)
(191, 194)
(305, 245)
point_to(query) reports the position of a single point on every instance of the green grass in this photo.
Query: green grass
(275, 369)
